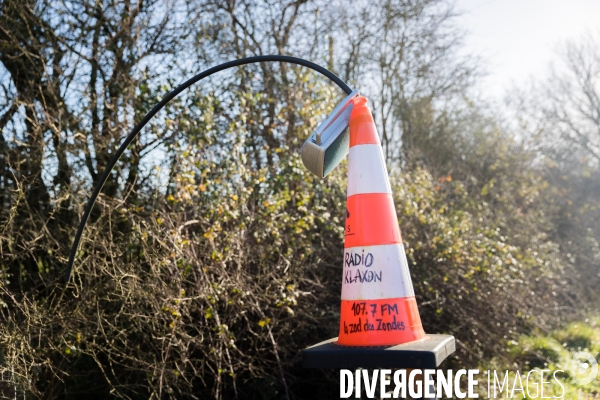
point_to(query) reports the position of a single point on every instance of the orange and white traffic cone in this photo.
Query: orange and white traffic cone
(378, 300)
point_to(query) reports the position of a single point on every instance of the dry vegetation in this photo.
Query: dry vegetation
(212, 257)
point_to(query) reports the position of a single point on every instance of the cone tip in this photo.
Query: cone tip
(361, 111)
(359, 101)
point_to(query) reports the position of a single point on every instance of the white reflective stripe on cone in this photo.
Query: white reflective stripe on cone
(376, 272)
(367, 172)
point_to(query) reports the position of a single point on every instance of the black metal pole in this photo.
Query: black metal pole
(171, 95)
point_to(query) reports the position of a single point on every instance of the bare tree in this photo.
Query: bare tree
(560, 116)
(76, 68)
(404, 54)
(569, 101)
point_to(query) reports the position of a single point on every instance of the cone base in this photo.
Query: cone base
(381, 322)
(423, 354)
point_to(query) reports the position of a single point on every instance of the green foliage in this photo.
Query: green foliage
(463, 256)
(212, 257)
(214, 285)
(555, 350)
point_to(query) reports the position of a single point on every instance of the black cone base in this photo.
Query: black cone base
(422, 354)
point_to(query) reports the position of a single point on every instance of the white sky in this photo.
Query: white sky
(518, 38)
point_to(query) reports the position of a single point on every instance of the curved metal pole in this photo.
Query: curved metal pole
(159, 106)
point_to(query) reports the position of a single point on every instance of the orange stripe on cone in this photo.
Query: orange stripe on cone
(383, 322)
(361, 124)
(371, 220)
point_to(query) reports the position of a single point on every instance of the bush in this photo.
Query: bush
(215, 288)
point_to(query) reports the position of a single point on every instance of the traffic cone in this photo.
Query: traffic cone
(378, 300)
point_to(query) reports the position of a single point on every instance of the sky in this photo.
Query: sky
(517, 39)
